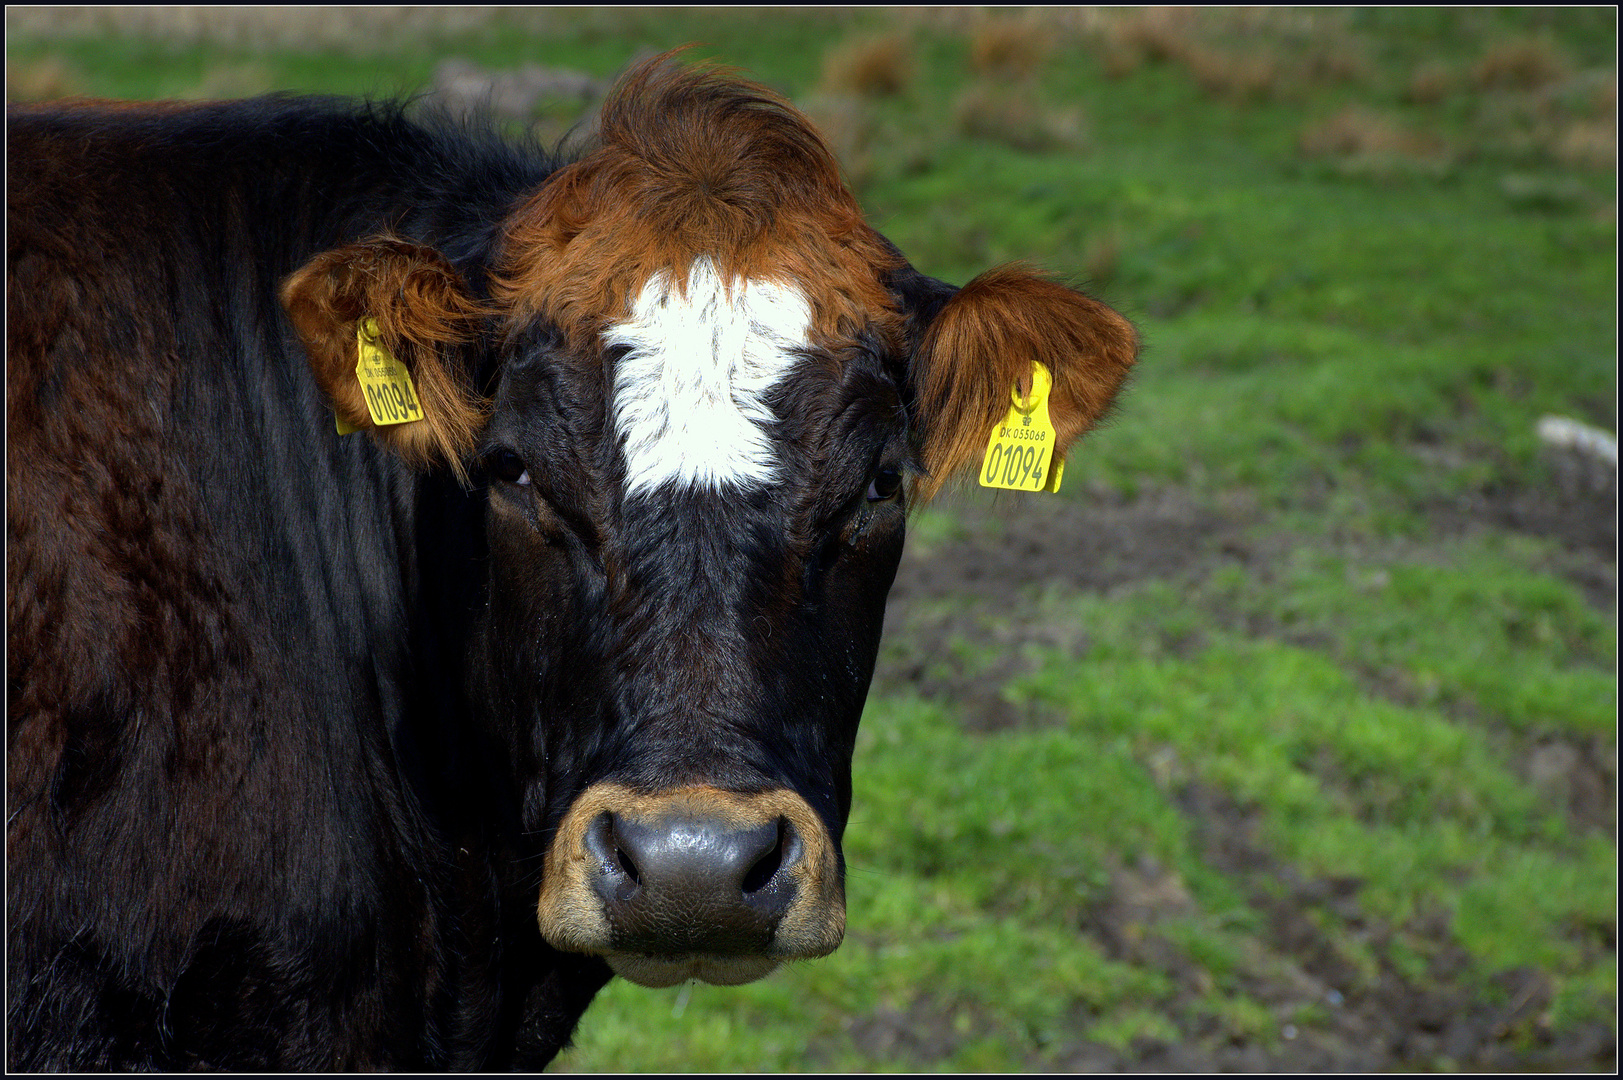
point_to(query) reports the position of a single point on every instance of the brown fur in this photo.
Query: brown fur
(985, 340)
(423, 311)
(695, 163)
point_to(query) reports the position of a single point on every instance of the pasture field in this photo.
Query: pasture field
(1285, 736)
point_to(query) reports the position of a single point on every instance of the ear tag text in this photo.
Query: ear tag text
(390, 396)
(1020, 455)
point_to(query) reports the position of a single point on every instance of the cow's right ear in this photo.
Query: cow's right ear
(424, 316)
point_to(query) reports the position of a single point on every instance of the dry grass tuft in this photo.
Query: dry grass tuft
(1155, 34)
(1431, 82)
(1360, 141)
(1239, 77)
(1011, 48)
(868, 145)
(1528, 63)
(46, 79)
(869, 67)
(1011, 115)
(1341, 60)
(1357, 130)
(1147, 35)
(850, 130)
(1581, 125)
(1572, 122)
(1118, 62)
(1604, 96)
(1587, 144)
(1237, 54)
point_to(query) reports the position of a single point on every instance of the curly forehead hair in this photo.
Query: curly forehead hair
(696, 163)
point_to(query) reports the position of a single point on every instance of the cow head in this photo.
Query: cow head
(714, 393)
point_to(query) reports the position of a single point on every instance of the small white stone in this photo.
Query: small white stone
(1568, 434)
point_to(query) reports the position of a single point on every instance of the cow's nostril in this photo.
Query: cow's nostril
(627, 865)
(767, 867)
(620, 878)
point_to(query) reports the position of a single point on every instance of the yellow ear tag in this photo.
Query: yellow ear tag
(1020, 455)
(344, 426)
(390, 396)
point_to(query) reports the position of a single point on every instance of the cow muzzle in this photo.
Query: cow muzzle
(695, 883)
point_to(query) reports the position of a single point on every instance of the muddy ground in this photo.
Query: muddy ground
(1104, 542)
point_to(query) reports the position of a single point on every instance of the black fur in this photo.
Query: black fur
(252, 824)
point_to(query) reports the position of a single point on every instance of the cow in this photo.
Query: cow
(387, 749)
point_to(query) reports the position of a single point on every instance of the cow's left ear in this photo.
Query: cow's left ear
(424, 316)
(983, 341)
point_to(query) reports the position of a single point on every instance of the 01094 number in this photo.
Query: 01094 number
(1015, 466)
(391, 402)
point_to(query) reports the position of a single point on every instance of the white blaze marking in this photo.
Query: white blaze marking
(690, 396)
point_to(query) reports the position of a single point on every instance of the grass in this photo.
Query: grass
(1367, 249)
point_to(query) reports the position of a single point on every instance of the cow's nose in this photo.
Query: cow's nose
(691, 883)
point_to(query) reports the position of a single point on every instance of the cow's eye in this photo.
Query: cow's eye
(508, 466)
(885, 484)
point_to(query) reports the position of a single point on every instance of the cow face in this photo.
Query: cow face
(715, 391)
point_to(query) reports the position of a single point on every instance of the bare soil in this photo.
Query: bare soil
(1394, 1021)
